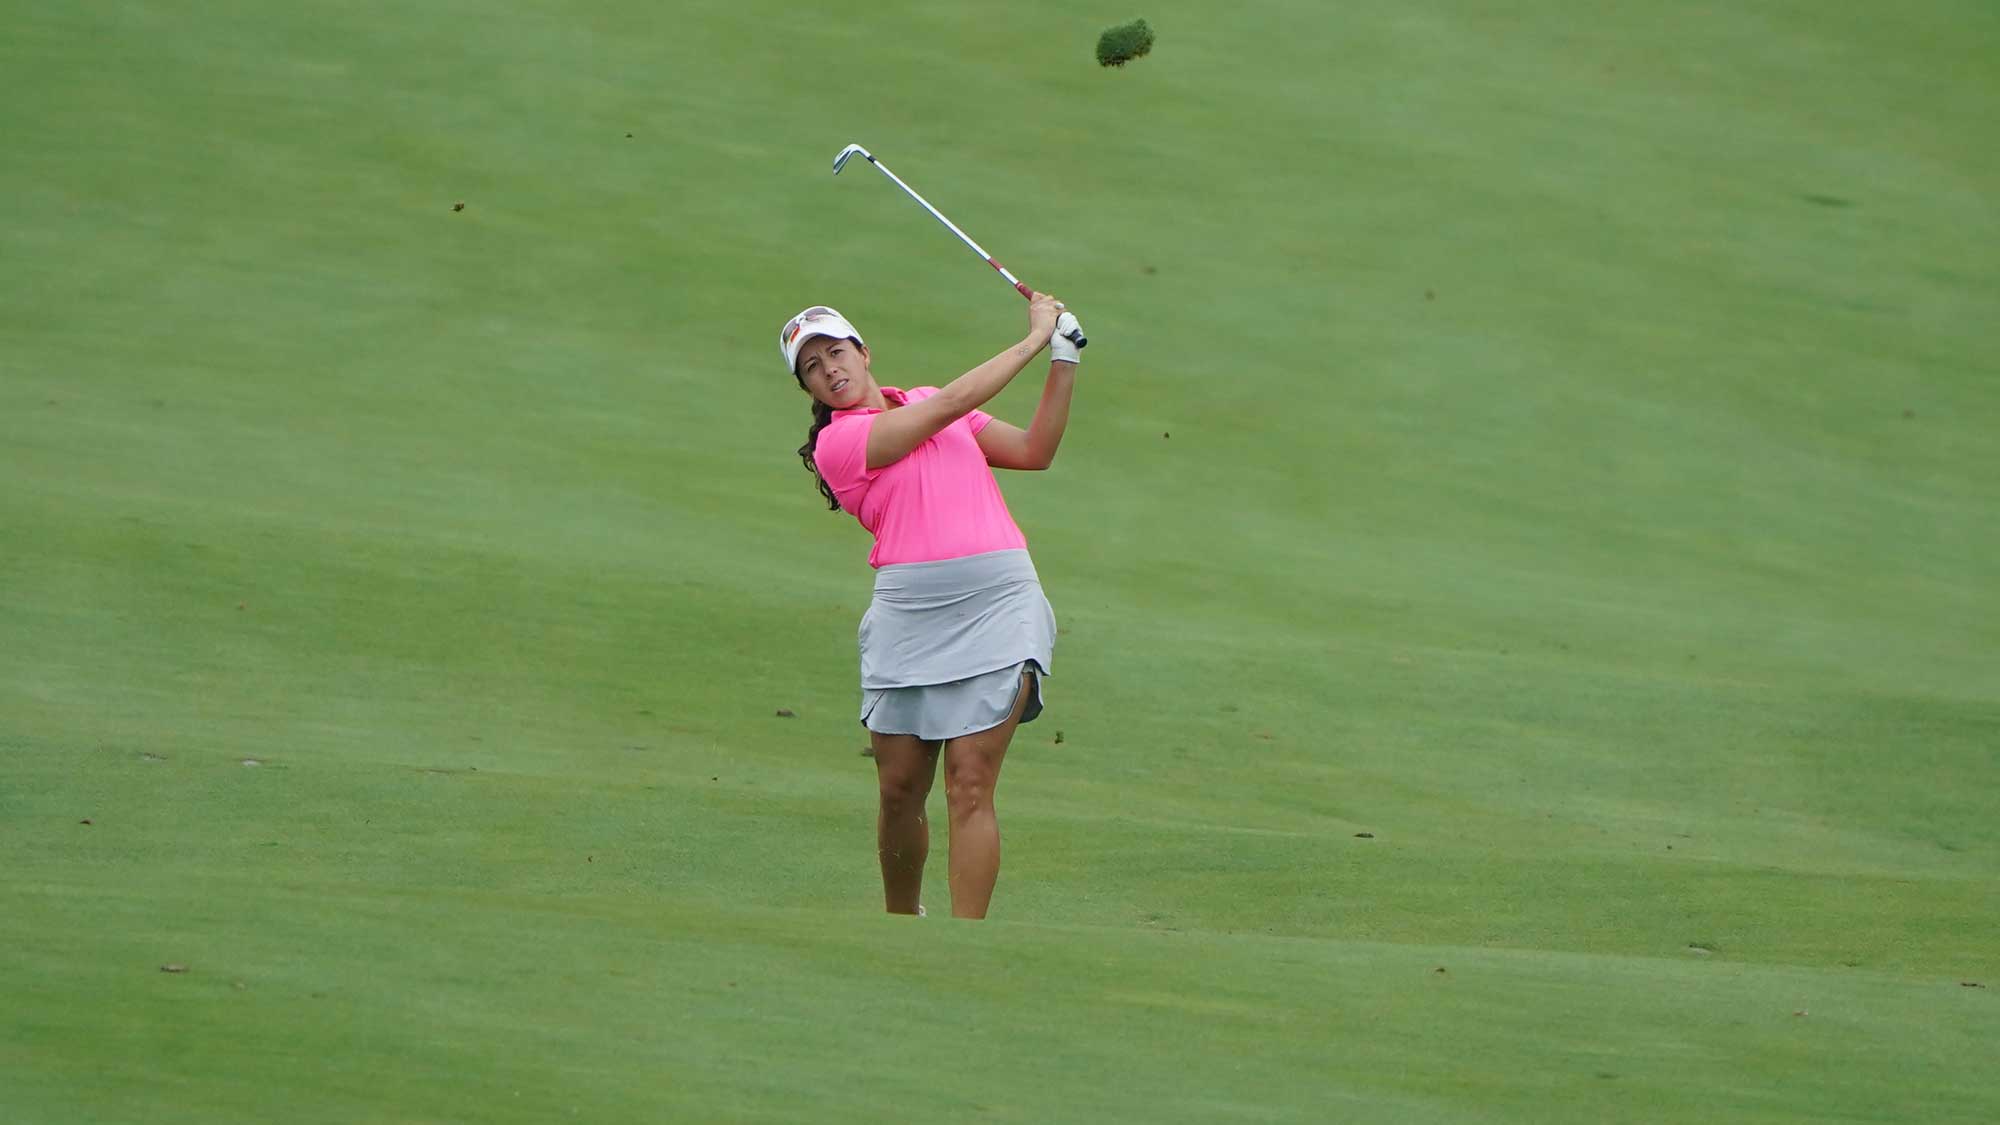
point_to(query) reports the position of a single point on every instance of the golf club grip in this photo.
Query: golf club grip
(1076, 337)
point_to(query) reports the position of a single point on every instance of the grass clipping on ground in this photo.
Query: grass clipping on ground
(1120, 45)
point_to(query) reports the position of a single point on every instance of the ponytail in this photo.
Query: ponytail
(822, 418)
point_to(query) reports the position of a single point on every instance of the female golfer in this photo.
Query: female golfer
(959, 635)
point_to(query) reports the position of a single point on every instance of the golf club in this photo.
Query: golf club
(1075, 336)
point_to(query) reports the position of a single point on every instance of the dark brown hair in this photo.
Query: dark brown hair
(822, 418)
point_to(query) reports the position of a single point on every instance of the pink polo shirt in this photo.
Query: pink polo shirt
(939, 502)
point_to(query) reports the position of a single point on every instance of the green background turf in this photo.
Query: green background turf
(1558, 443)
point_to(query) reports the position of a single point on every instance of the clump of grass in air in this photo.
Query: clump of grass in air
(1120, 45)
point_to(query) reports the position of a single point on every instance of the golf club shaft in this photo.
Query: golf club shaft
(1019, 286)
(950, 226)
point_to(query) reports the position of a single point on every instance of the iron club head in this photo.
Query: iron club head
(840, 161)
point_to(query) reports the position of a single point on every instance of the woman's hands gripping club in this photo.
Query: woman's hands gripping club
(1049, 320)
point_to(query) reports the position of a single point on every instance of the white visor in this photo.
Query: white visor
(815, 321)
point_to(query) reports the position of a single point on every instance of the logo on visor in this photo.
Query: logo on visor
(817, 312)
(796, 326)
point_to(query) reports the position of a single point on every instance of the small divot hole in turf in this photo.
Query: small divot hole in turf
(1961, 984)
(173, 968)
(253, 762)
(1700, 947)
(85, 820)
(1364, 835)
(786, 713)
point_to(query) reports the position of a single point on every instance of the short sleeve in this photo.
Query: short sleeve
(841, 453)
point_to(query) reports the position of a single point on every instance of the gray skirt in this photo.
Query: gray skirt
(944, 645)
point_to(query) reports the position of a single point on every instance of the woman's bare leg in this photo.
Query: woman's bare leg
(905, 765)
(971, 773)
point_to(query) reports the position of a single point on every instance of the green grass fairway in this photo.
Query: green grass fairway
(1526, 550)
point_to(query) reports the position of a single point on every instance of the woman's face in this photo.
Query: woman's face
(835, 371)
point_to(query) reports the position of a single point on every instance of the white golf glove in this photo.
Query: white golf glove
(1062, 349)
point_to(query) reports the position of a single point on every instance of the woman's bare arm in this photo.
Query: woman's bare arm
(894, 433)
(1011, 447)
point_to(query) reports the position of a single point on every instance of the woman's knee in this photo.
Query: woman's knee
(968, 784)
(901, 788)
